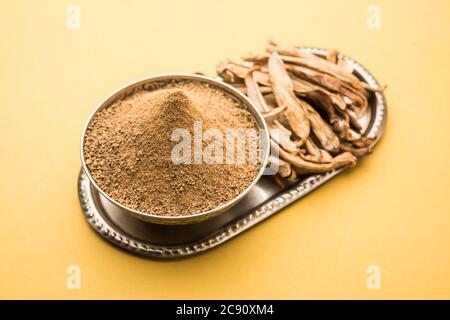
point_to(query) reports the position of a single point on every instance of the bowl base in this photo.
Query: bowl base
(159, 240)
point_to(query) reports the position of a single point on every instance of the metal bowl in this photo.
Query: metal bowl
(153, 82)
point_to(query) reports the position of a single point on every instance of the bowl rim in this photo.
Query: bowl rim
(183, 219)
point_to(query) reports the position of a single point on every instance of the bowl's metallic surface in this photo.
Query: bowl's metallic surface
(265, 198)
(154, 82)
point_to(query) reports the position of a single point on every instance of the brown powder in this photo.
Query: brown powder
(128, 150)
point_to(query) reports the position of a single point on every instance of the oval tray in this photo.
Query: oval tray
(267, 197)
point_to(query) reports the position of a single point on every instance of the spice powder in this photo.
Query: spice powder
(128, 149)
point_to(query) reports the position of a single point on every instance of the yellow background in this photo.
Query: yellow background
(392, 210)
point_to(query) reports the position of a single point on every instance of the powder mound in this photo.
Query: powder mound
(173, 107)
(128, 150)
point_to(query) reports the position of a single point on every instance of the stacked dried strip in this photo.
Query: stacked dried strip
(312, 105)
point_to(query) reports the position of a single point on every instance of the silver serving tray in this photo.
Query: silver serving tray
(266, 198)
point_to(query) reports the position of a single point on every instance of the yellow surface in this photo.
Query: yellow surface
(392, 210)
